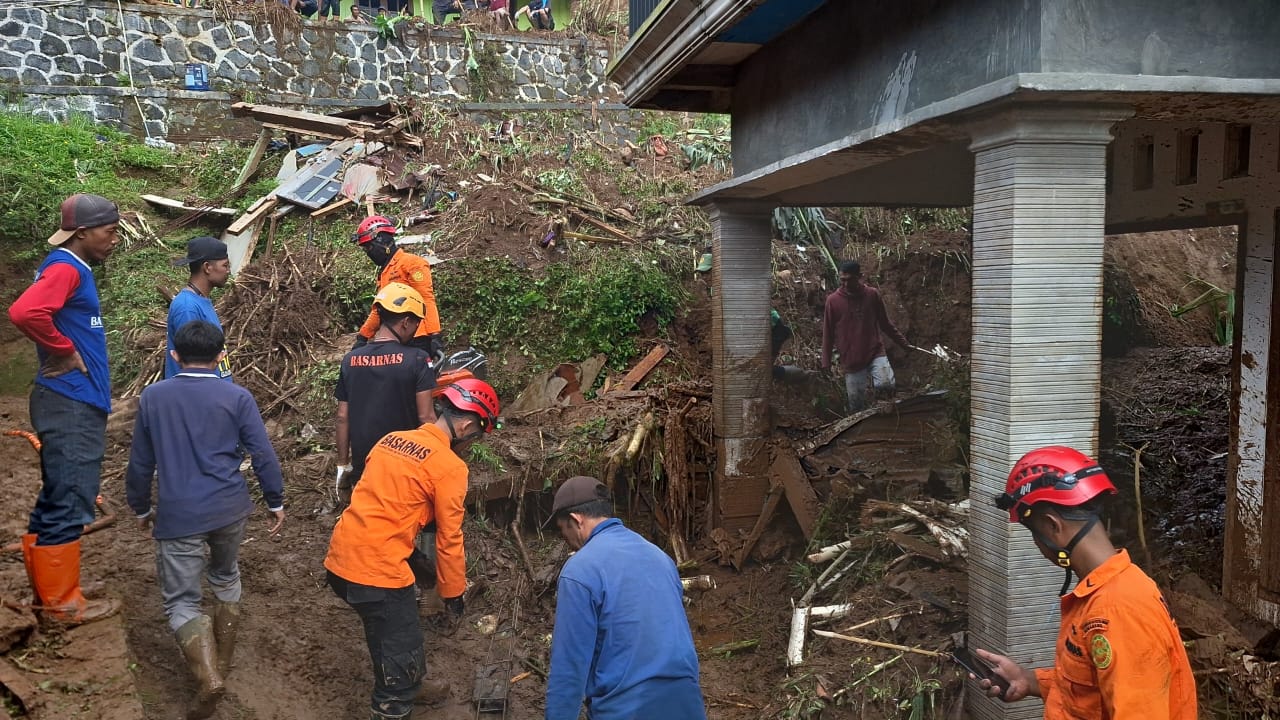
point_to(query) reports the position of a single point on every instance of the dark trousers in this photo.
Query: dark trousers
(73, 438)
(330, 6)
(391, 629)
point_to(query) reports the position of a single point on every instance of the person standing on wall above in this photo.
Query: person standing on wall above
(207, 259)
(1119, 654)
(69, 403)
(441, 9)
(852, 322)
(412, 478)
(191, 428)
(621, 641)
(383, 386)
(377, 237)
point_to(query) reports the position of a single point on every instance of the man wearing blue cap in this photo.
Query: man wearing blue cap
(207, 258)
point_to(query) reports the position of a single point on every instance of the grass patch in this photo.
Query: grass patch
(590, 304)
(41, 163)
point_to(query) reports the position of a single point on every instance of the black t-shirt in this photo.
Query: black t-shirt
(380, 382)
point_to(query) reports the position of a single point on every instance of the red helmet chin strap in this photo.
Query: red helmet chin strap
(1063, 554)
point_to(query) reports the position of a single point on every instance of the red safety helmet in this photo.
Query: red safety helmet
(372, 227)
(1055, 474)
(475, 396)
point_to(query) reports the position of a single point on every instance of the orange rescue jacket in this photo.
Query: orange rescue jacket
(410, 478)
(405, 267)
(1119, 655)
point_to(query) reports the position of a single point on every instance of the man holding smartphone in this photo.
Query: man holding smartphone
(1118, 654)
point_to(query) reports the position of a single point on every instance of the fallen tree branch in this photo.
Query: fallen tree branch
(879, 644)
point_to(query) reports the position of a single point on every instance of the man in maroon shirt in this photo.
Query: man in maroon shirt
(852, 322)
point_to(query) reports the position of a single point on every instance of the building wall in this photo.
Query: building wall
(128, 69)
(869, 64)
(1223, 193)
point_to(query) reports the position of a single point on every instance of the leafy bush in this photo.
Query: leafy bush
(574, 310)
(41, 163)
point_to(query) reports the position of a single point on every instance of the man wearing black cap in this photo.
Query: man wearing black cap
(69, 403)
(207, 258)
(621, 642)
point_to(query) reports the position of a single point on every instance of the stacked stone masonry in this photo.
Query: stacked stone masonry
(128, 69)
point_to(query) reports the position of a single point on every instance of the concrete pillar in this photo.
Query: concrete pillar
(1038, 213)
(1251, 570)
(740, 360)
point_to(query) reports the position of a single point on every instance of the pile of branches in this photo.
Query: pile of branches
(277, 318)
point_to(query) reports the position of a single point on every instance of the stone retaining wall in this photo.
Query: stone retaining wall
(128, 68)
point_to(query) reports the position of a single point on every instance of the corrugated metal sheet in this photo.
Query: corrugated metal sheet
(1039, 204)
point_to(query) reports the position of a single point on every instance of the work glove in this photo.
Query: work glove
(435, 346)
(361, 341)
(454, 607)
(342, 484)
(424, 571)
(447, 623)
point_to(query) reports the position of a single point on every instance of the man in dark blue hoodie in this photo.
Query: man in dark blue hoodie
(191, 428)
(621, 642)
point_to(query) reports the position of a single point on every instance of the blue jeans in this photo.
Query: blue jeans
(180, 563)
(331, 6)
(855, 383)
(73, 439)
(394, 636)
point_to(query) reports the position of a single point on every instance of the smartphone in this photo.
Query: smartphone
(967, 659)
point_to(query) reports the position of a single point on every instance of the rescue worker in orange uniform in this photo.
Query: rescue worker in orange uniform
(1119, 654)
(376, 235)
(411, 478)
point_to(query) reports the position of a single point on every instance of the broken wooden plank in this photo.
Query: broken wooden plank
(574, 212)
(301, 121)
(590, 238)
(253, 214)
(254, 159)
(171, 204)
(240, 244)
(331, 207)
(771, 501)
(830, 432)
(800, 494)
(641, 369)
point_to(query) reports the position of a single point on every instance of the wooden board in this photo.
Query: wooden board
(641, 369)
(255, 159)
(171, 204)
(800, 494)
(254, 214)
(766, 514)
(300, 121)
(240, 244)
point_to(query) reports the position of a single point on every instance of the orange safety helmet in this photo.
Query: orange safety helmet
(475, 396)
(371, 227)
(1056, 474)
(400, 298)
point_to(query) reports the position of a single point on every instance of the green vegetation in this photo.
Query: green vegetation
(44, 162)
(589, 304)
(484, 455)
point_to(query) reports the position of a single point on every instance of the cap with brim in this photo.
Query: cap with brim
(84, 211)
(203, 249)
(575, 491)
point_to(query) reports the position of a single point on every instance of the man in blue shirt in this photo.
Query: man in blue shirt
(207, 258)
(621, 642)
(191, 427)
(69, 403)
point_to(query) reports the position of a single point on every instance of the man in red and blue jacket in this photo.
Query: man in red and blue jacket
(69, 403)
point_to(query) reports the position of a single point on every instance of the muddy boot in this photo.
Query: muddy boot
(432, 692)
(55, 575)
(226, 621)
(196, 640)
